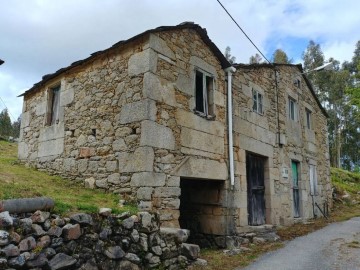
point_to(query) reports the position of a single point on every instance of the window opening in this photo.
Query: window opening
(53, 106)
(292, 109)
(297, 83)
(257, 102)
(313, 180)
(308, 119)
(204, 84)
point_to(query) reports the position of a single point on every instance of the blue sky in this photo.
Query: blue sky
(293, 46)
(40, 36)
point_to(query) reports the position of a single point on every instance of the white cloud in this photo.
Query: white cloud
(8, 94)
(340, 50)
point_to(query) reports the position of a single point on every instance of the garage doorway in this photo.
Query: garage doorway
(201, 206)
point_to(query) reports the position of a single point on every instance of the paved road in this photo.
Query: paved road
(327, 249)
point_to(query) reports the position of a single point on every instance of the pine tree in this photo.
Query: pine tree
(5, 124)
(16, 128)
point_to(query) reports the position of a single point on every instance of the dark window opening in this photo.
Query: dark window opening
(199, 92)
(53, 106)
(204, 87)
(93, 132)
(308, 119)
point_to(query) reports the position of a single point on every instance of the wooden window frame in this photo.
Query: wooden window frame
(258, 102)
(53, 105)
(292, 109)
(204, 94)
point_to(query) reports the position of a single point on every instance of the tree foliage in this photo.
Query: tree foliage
(7, 128)
(228, 55)
(16, 128)
(339, 94)
(5, 124)
(280, 57)
(255, 59)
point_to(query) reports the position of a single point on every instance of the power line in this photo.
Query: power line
(7, 109)
(243, 31)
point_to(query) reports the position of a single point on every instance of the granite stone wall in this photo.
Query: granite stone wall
(42, 240)
(127, 123)
(280, 140)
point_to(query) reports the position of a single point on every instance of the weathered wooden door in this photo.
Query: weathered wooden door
(296, 194)
(256, 188)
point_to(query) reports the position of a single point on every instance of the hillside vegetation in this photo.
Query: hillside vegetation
(18, 181)
(346, 194)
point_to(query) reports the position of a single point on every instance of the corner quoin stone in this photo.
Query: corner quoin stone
(156, 135)
(142, 62)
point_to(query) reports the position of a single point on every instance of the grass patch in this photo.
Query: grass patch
(354, 244)
(18, 181)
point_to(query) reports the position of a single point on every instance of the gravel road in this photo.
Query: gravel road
(335, 247)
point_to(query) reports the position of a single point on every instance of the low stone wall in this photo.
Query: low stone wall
(92, 242)
(252, 234)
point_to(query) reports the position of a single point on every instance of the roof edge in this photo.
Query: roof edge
(298, 66)
(185, 25)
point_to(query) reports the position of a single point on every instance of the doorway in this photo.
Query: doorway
(255, 176)
(295, 187)
(201, 206)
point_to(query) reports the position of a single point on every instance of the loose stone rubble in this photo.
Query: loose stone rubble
(92, 242)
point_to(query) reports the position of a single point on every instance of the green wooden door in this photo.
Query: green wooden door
(296, 193)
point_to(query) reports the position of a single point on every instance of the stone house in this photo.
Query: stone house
(153, 118)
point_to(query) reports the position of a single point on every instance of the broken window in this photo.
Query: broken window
(204, 87)
(53, 105)
(308, 119)
(292, 109)
(257, 102)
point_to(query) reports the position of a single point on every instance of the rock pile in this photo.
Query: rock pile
(92, 242)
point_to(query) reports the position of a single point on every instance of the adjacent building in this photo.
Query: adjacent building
(164, 119)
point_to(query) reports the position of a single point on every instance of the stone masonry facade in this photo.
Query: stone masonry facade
(125, 122)
(281, 140)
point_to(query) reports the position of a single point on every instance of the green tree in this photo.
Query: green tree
(280, 57)
(351, 159)
(5, 124)
(16, 128)
(228, 55)
(330, 87)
